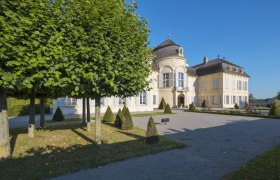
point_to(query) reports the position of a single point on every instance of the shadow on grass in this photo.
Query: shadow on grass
(49, 160)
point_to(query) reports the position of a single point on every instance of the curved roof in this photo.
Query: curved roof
(166, 49)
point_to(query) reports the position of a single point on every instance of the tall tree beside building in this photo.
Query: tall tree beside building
(31, 49)
(109, 48)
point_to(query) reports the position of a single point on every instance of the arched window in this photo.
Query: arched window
(181, 51)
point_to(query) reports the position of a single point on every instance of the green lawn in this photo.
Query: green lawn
(133, 115)
(69, 148)
(265, 166)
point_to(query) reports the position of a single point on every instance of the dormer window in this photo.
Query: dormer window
(181, 52)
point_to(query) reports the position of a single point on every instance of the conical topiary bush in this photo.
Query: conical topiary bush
(58, 115)
(192, 107)
(275, 109)
(167, 109)
(119, 119)
(128, 123)
(203, 103)
(162, 104)
(108, 116)
(124, 109)
(236, 106)
(151, 133)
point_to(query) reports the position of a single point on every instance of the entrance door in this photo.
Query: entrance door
(181, 100)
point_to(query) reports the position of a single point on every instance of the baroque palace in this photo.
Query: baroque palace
(220, 83)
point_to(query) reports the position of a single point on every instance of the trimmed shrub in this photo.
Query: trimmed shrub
(124, 109)
(236, 106)
(58, 115)
(119, 119)
(167, 109)
(128, 123)
(203, 104)
(108, 116)
(268, 105)
(162, 104)
(275, 109)
(246, 105)
(192, 107)
(151, 133)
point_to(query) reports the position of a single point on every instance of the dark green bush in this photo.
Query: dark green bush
(58, 115)
(246, 105)
(151, 133)
(108, 116)
(162, 104)
(203, 104)
(192, 107)
(119, 119)
(127, 123)
(236, 106)
(268, 105)
(275, 109)
(167, 109)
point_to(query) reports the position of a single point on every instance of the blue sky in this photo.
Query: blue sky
(245, 32)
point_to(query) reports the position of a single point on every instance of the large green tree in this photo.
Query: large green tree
(110, 52)
(31, 49)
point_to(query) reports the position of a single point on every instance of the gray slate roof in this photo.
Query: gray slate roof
(216, 66)
(166, 49)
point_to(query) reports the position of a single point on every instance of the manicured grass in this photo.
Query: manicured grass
(265, 166)
(69, 148)
(237, 113)
(133, 115)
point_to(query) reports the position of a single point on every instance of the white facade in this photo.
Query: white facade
(218, 82)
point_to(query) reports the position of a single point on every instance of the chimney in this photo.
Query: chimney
(205, 60)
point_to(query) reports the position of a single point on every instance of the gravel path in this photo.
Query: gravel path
(218, 144)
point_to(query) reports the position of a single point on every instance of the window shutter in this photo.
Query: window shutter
(148, 98)
(171, 79)
(127, 101)
(160, 80)
(116, 101)
(185, 80)
(137, 100)
(177, 79)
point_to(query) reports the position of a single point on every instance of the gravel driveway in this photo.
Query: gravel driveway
(218, 144)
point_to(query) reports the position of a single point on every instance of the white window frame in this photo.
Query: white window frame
(180, 79)
(166, 79)
(143, 98)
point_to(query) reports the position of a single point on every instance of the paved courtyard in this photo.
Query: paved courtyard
(217, 145)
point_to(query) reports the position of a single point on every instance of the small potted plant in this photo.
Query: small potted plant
(181, 105)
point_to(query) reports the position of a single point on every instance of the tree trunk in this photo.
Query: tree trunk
(97, 121)
(5, 149)
(84, 112)
(31, 126)
(88, 115)
(42, 112)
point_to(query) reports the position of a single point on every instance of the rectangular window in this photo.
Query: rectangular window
(70, 101)
(166, 79)
(240, 99)
(181, 79)
(121, 101)
(245, 98)
(102, 101)
(143, 99)
(239, 85)
(154, 99)
(245, 86)
(220, 100)
(234, 100)
(216, 84)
